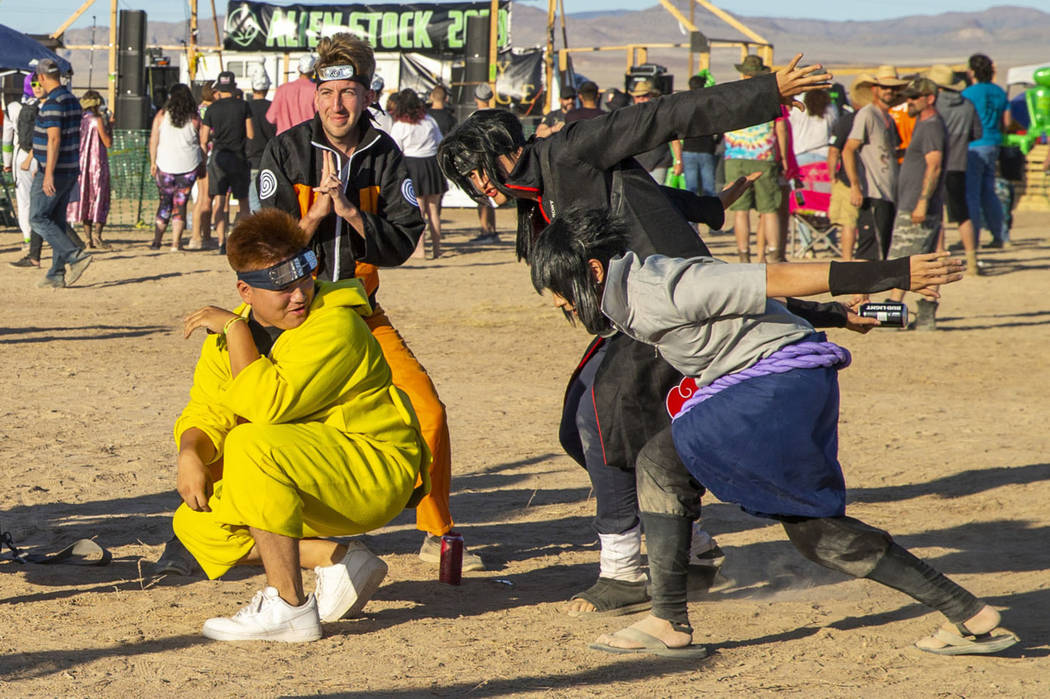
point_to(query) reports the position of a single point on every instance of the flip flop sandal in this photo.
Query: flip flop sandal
(83, 552)
(651, 645)
(614, 598)
(967, 643)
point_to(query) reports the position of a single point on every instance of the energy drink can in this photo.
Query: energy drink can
(890, 314)
(451, 559)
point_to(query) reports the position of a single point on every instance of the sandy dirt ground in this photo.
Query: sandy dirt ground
(944, 443)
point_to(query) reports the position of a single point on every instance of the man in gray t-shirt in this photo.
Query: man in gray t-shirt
(869, 159)
(920, 189)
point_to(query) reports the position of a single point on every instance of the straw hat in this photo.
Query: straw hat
(886, 76)
(860, 90)
(942, 75)
(642, 87)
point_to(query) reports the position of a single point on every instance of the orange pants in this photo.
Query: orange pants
(432, 513)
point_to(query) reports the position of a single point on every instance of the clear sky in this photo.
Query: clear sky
(44, 16)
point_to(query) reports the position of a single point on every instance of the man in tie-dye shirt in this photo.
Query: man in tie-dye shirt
(754, 149)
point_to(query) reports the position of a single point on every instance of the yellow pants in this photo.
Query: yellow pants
(300, 480)
(432, 513)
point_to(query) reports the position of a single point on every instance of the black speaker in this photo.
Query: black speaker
(656, 74)
(131, 55)
(132, 112)
(477, 61)
(159, 81)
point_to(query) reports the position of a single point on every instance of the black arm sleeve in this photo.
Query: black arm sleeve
(606, 140)
(869, 277)
(707, 210)
(819, 315)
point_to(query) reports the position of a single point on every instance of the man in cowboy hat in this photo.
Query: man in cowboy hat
(660, 159)
(873, 175)
(754, 149)
(964, 126)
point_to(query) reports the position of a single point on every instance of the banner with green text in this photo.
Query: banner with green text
(428, 28)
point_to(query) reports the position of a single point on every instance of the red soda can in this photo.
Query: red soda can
(451, 558)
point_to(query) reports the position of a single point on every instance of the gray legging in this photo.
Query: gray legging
(669, 500)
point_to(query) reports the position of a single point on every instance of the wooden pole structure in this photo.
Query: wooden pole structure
(692, 21)
(218, 39)
(549, 55)
(72, 18)
(111, 89)
(493, 39)
(191, 47)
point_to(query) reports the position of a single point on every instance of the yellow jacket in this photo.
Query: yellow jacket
(329, 370)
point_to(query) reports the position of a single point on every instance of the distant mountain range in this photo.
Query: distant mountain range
(1010, 35)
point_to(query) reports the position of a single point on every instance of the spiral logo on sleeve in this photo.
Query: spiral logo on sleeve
(408, 191)
(267, 184)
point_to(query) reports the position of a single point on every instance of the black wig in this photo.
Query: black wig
(477, 144)
(559, 260)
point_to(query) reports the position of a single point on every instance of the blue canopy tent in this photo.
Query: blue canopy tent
(18, 49)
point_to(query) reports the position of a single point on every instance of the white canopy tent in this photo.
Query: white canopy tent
(1022, 75)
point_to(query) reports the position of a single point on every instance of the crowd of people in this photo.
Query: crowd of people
(310, 418)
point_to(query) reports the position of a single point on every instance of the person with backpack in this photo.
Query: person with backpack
(18, 158)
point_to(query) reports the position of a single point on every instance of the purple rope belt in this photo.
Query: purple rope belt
(801, 355)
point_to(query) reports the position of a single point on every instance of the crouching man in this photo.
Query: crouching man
(293, 432)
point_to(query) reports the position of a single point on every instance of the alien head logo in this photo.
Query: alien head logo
(242, 26)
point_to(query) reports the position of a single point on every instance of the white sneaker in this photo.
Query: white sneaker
(267, 618)
(345, 587)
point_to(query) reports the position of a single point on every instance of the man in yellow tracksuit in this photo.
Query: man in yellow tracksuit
(294, 431)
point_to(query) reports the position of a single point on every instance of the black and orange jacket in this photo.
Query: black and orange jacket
(376, 182)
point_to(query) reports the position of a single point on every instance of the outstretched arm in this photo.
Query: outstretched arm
(919, 273)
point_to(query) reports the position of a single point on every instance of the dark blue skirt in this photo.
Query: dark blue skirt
(769, 444)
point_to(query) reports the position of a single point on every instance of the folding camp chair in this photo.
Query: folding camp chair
(813, 232)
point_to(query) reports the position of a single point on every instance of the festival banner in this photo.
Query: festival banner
(427, 28)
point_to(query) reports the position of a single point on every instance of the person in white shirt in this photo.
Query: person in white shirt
(811, 128)
(418, 135)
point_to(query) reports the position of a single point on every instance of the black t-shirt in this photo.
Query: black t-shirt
(264, 131)
(445, 118)
(226, 119)
(700, 144)
(839, 136)
(582, 113)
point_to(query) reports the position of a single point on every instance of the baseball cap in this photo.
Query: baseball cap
(260, 80)
(483, 92)
(226, 82)
(306, 63)
(47, 66)
(568, 92)
(920, 87)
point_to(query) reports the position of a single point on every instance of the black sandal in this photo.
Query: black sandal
(614, 598)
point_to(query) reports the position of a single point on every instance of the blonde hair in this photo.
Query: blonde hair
(343, 48)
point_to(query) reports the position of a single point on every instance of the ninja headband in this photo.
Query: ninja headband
(343, 72)
(281, 274)
(465, 162)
